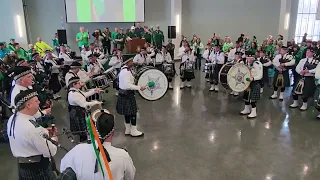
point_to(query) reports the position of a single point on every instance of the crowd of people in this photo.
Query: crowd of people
(30, 77)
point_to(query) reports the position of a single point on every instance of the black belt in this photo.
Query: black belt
(125, 92)
(33, 162)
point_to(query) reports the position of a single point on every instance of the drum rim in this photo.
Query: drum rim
(163, 93)
(227, 73)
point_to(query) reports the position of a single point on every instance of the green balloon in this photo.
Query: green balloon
(151, 84)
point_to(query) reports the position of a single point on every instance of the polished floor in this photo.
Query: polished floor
(194, 134)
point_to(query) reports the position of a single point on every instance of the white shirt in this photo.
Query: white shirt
(161, 57)
(116, 62)
(95, 51)
(276, 61)
(142, 59)
(83, 75)
(28, 141)
(55, 67)
(206, 54)
(121, 164)
(126, 80)
(182, 49)
(69, 75)
(256, 70)
(78, 98)
(217, 58)
(232, 54)
(300, 66)
(96, 68)
(67, 59)
(150, 52)
(267, 64)
(187, 56)
(39, 66)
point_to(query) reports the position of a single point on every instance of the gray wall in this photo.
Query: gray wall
(293, 19)
(230, 17)
(45, 18)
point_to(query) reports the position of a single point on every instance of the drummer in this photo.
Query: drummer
(206, 54)
(78, 106)
(252, 94)
(94, 66)
(266, 63)
(116, 63)
(217, 59)
(238, 59)
(142, 58)
(126, 103)
(164, 57)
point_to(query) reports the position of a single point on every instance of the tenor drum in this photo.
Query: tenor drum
(234, 77)
(111, 74)
(156, 81)
(94, 108)
(100, 82)
(167, 69)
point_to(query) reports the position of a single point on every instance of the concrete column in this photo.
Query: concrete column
(284, 21)
(176, 11)
(13, 21)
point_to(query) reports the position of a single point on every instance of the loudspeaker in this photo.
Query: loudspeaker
(62, 36)
(172, 34)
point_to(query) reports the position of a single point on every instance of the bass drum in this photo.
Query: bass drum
(223, 75)
(236, 77)
(156, 81)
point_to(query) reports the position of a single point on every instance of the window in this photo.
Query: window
(306, 21)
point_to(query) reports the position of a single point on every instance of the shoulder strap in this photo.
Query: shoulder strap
(34, 123)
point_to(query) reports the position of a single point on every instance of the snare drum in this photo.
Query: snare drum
(94, 108)
(233, 76)
(167, 69)
(111, 74)
(100, 82)
(156, 81)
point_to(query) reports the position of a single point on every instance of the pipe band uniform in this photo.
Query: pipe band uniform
(166, 65)
(32, 151)
(126, 101)
(74, 164)
(266, 63)
(78, 106)
(186, 67)
(217, 59)
(306, 85)
(282, 63)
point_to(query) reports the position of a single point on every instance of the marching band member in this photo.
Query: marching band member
(238, 59)
(75, 68)
(116, 63)
(94, 50)
(78, 105)
(232, 53)
(54, 82)
(126, 103)
(317, 76)
(67, 60)
(252, 94)
(306, 69)
(150, 51)
(206, 54)
(32, 151)
(217, 59)
(186, 66)
(85, 167)
(39, 62)
(94, 65)
(282, 63)
(266, 63)
(164, 57)
(142, 58)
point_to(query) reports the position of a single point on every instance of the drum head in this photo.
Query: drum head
(237, 76)
(157, 84)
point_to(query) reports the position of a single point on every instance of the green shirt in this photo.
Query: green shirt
(147, 37)
(157, 37)
(55, 42)
(226, 46)
(196, 46)
(84, 39)
(121, 36)
(11, 47)
(114, 35)
(270, 49)
(21, 54)
(29, 55)
(132, 34)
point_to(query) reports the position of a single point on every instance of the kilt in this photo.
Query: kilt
(36, 171)
(68, 174)
(115, 83)
(265, 76)
(4, 137)
(77, 117)
(214, 76)
(309, 86)
(54, 83)
(126, 102)
(286, 79)
(252, 94)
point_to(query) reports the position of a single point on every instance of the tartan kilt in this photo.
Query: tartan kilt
(188, 75)
(43, 173)
(265, 76)
(126, 104)
(252, 94)
(286, 79)
(77, 117)
(215, 74)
